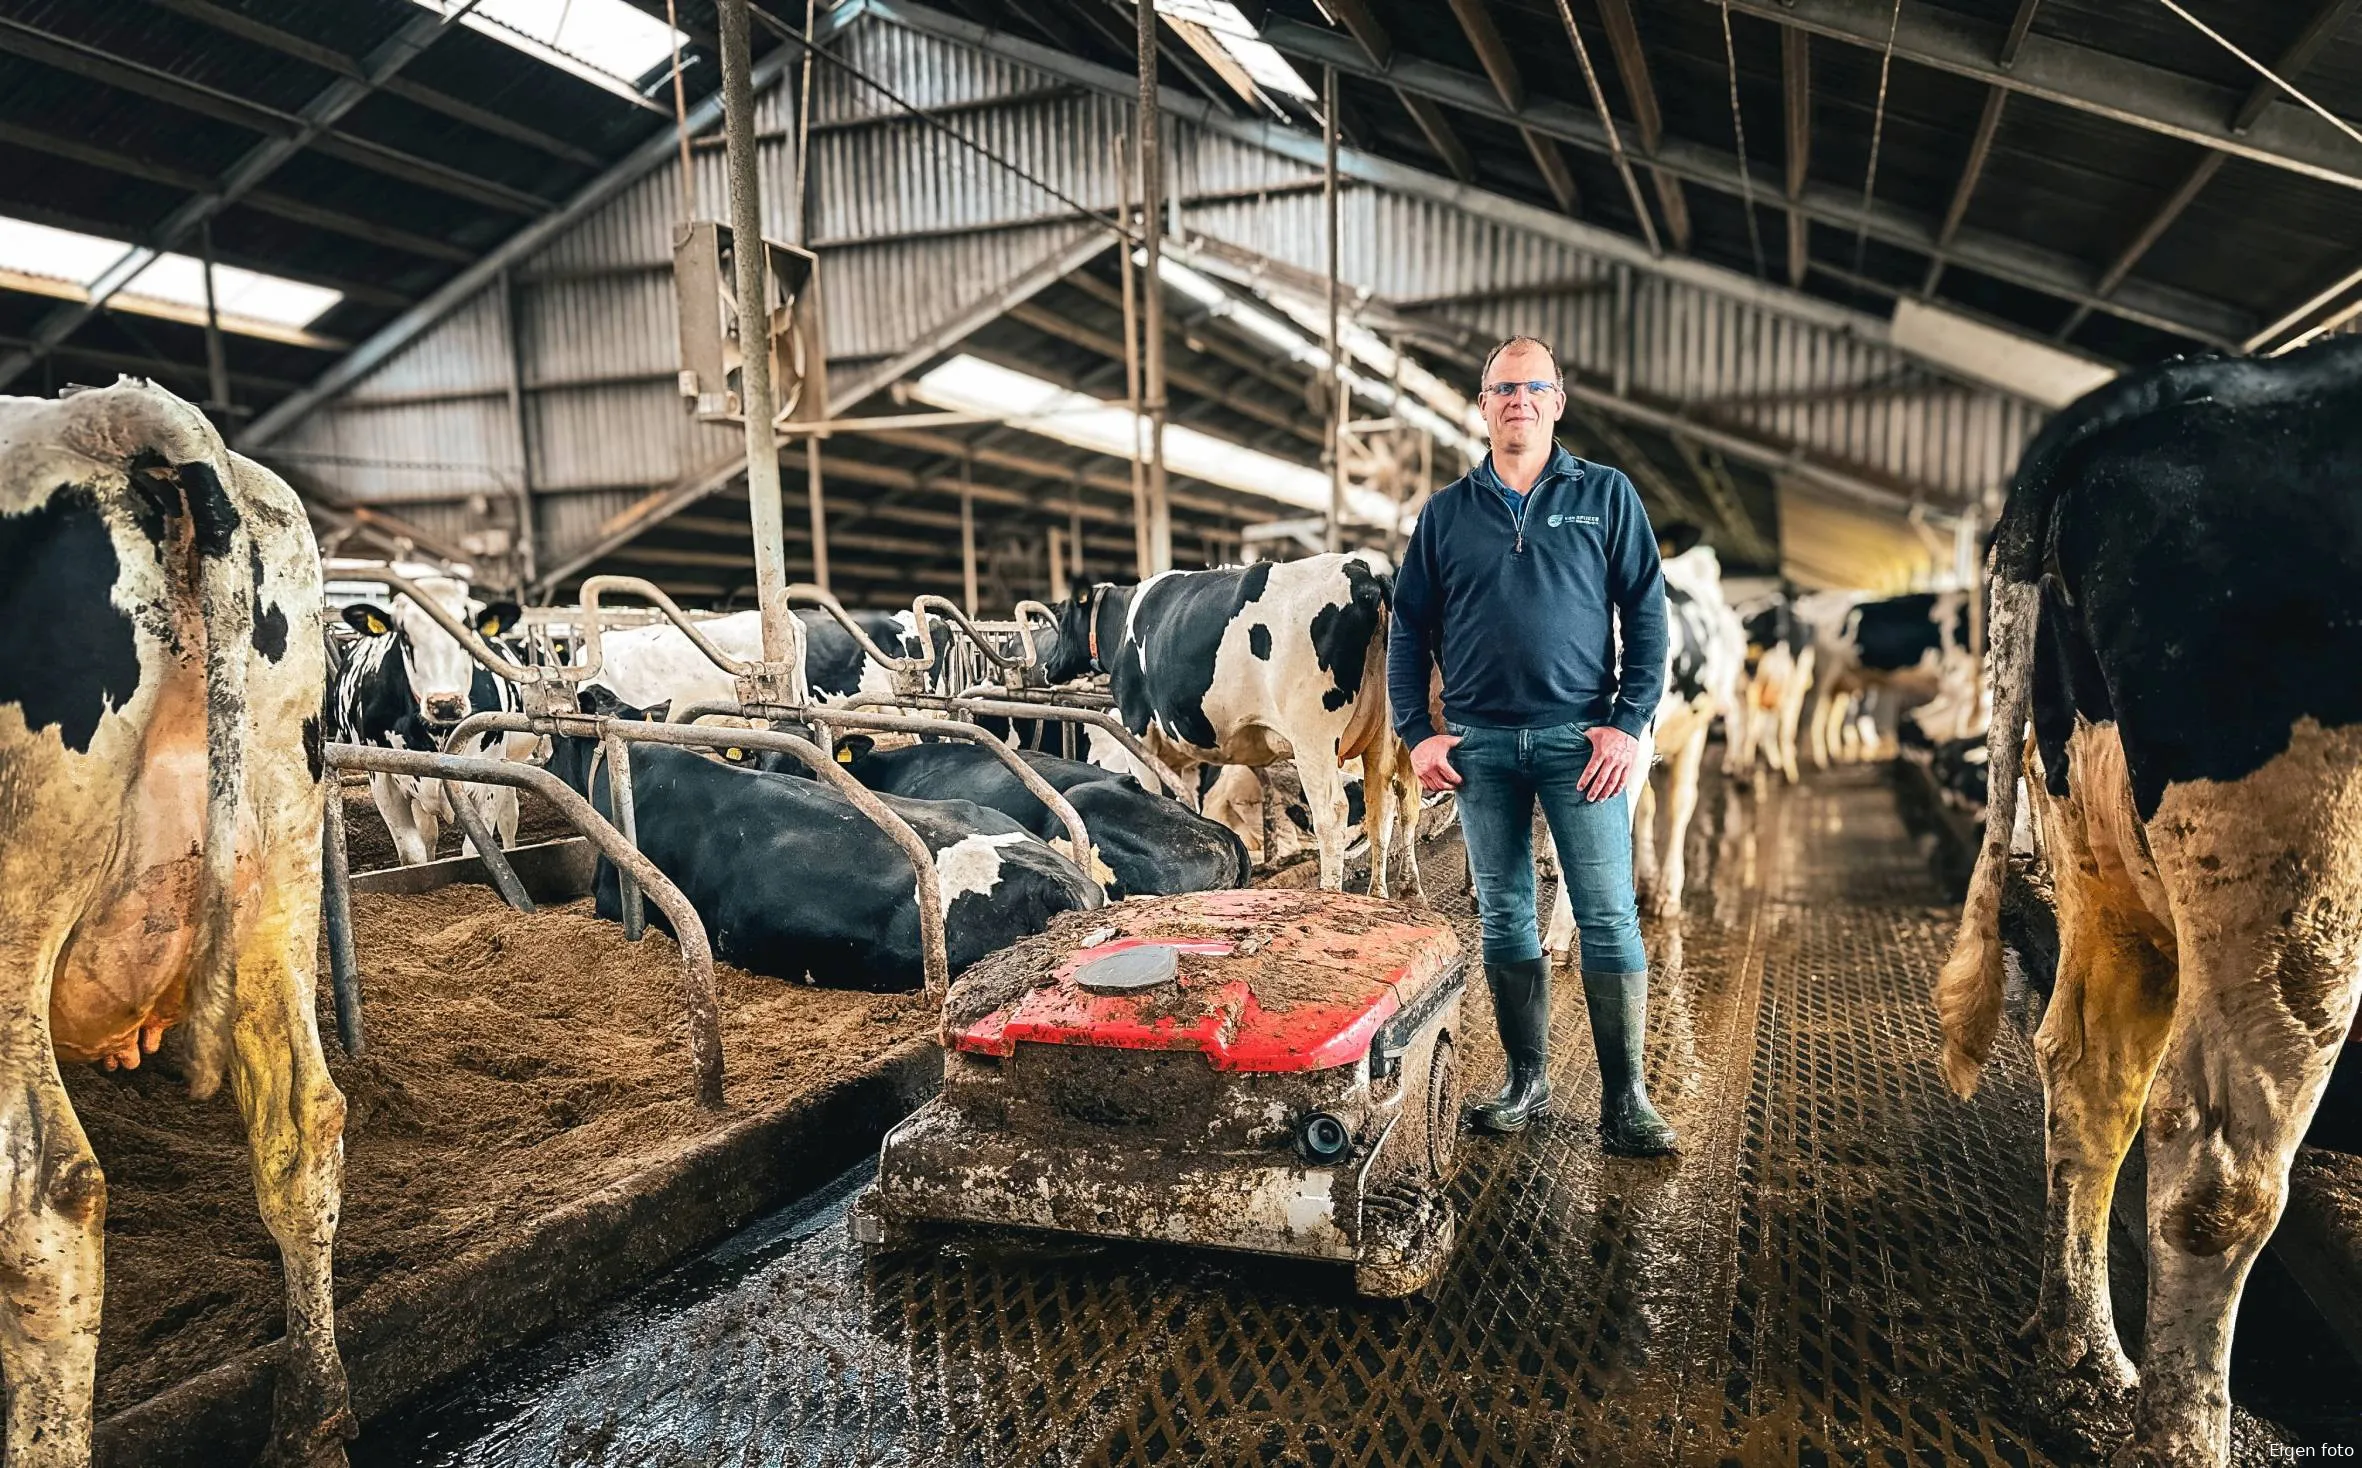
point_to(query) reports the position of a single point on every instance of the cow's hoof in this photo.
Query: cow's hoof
(2093, 1360)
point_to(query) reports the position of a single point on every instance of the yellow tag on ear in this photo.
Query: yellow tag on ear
(490, 627)
(844, 755)
(378, 626)
(734, 754)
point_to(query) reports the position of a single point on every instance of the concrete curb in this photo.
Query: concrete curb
(408, 1335)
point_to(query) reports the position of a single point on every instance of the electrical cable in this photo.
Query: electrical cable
(2264, 71)
(1877, 136)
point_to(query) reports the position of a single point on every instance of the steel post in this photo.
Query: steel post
(336, 912)
(1152, 234)
(487, 843)
(619, 786)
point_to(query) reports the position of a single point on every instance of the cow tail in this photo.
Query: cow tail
(225, 596)
(1968, 994)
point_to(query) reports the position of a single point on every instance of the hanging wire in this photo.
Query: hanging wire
(1877, 135)
(1120, 228)
(1615, 143)
(2264, 71)
(672, 22)
(1738, 128)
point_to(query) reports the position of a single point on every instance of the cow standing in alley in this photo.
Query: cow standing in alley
(1772, 701)
(1907, 648)
(405, 685)
(2177, 604)
(161, 794)
(1246, 665)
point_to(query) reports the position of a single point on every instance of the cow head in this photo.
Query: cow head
(439, 670)
(1066, 653)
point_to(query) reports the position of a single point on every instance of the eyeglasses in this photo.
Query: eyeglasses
(1507, 390)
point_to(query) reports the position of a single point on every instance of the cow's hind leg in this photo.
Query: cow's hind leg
(400, 814)
(2097, 1051)
(1681, 801)
(52, 1251)
(295, 1132)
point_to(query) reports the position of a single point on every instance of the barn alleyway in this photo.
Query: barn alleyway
(1833, 1272)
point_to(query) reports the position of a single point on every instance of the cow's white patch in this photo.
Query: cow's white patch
(971, 864)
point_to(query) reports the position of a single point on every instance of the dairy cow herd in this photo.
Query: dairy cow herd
(2163, 603)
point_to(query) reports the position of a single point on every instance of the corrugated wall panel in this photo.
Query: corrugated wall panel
(626, 434)
(904, 177)
(604, 326)
(922, 70)
(882, 297)
(468, 349)
(398, 453)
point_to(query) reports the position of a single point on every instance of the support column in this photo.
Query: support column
(967, 542)
(819, 511)
(1335, 538)
(1152, 228)
(527, 569)
(756, 399)
(217, 362)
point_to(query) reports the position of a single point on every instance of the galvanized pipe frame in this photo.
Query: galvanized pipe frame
(700, 996)
(829, 717)
(993, 707)
(934, 954)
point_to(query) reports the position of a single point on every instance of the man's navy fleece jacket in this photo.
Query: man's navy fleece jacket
(1517, 603)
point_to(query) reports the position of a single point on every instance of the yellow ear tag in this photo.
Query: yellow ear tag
(734, 754)
(844, 756)
(378, 626)
(491, 627)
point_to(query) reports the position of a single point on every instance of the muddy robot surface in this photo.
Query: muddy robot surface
(1269, 1071)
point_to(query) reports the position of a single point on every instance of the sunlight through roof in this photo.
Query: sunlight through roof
(609, 43)
(967, 384)
(62, 263)
(1234, 34)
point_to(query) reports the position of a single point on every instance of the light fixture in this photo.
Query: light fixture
(41, 260)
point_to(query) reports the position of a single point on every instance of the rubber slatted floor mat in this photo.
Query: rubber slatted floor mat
(1832, 1273)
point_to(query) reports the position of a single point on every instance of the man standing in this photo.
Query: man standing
(1514, 580)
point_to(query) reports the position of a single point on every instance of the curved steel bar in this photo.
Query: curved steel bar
(807, 592)
(1000, 708)
(594, 651)
(483, 652)
(1040, 789)
(627, 825)
(934, 954)
(700, 996)
(922, 604)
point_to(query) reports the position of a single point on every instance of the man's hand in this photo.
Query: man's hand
(1432, 762)
(1610, 770)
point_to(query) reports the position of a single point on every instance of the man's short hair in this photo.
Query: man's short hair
(1556, 375)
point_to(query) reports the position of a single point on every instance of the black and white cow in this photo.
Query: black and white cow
(793, 882)
(1149, 843)
(404, 686)
(161, 789)
(2177, 606)
(1907, 649)
(1771, 705)
(1246, 665)
(656, 664)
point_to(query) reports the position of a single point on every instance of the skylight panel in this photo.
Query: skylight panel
(1236, 35)
(972, 385)
(608, 43)
(66, 264)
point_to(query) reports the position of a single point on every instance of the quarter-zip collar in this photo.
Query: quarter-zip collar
(1562, 465)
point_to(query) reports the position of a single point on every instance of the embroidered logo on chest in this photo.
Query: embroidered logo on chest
(1558, 520)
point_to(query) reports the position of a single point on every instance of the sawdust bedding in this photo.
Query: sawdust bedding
(513, 1065)
(369, 846)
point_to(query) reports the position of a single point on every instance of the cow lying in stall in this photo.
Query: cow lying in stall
(793, 882)
(2181, 614)
(161, 782)
(404, 686)
(1148, 844)
(647, 667)
(1246, 665)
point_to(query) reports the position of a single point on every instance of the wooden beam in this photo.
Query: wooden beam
(1623, 35)
(1796, 96)
(1980, 147)
(2326, 22)
(2147, 236)
(2018, 26)
(1492, 52)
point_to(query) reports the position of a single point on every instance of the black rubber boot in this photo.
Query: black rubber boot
(1628, 1125)
(1521, 1004)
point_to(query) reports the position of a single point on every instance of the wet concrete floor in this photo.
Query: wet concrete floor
(1831, 1273)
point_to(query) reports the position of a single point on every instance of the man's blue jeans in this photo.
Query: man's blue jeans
(1502, 773)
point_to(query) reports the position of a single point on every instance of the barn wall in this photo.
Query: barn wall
(916, 231)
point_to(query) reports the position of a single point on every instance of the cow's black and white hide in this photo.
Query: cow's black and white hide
(1899, 651)
(404, 685)
(1779, 678)
(1246, 665)
(792, 881)
(162, 782)
(2177, 610)
(657, 664)
(1705, 649)
(1148, 843)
